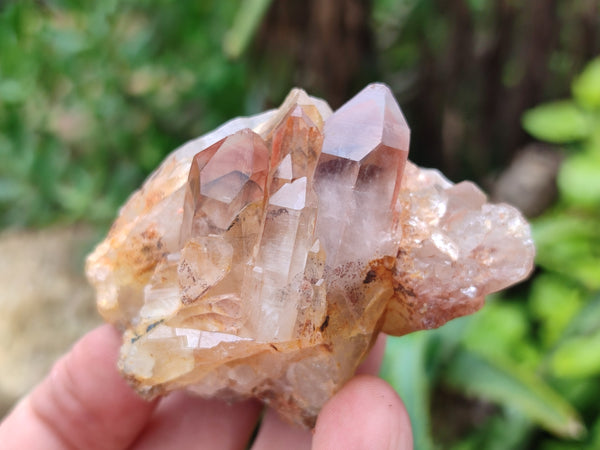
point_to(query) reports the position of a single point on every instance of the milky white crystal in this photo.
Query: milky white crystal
(262, 259)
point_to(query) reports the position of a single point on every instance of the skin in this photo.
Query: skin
(85, 404)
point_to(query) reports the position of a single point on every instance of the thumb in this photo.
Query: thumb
(83, 403)
(366, 413)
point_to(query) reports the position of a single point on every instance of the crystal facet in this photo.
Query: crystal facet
(262, 259)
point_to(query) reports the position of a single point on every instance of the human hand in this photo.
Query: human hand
(85, 404)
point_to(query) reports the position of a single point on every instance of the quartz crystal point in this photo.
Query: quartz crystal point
(262, 259)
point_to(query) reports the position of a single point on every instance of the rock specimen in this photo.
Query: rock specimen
(262, 259)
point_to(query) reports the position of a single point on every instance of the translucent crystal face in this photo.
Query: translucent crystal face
(262, 259)
(358, 177)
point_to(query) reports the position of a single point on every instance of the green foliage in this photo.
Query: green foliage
(575, 122)
(244, 26)
(557, 122)
(88, 96)
(577, 354)
(577, 357)
(579, 179)
(535, 355)
(405, 367)
(568, 242)
(505, 383)
(553, 302)
(586, 88)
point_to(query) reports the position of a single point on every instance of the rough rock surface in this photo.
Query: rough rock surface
(264, 258)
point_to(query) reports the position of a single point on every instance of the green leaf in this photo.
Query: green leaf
(596, 435)
(567, 244)
(66, 42)
(501, 329)
(77, 194)
(577, 357)
(554, 301)
(244, 26)
(404, 367)
(504, 383)
(579, 180)
(591, 443)
(587, 321)
(557, 122)
(10, 189)
(586, 87)
(577, 352)
(12, 91)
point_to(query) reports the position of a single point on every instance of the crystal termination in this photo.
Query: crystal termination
(262, 259)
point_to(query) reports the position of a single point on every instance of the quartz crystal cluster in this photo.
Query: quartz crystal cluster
(262, 259)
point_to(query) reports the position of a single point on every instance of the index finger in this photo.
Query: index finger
(82, 403)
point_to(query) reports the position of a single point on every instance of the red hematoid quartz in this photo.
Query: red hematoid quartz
(262, 260)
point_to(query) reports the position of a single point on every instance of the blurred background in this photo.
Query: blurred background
(502, 92)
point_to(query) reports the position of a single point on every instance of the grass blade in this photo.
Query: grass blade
(511, 386)
(404, 367)
(244, 26)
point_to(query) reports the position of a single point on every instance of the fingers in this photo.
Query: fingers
(366, 413)
(184, 421)
(276, 434)
(83, 403)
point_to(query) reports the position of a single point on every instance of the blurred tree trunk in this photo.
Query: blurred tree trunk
(494, 92)
(539, 40)
(473, 86)
(439, 78)
(477, 69)
(328, 44)
(589, 17)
